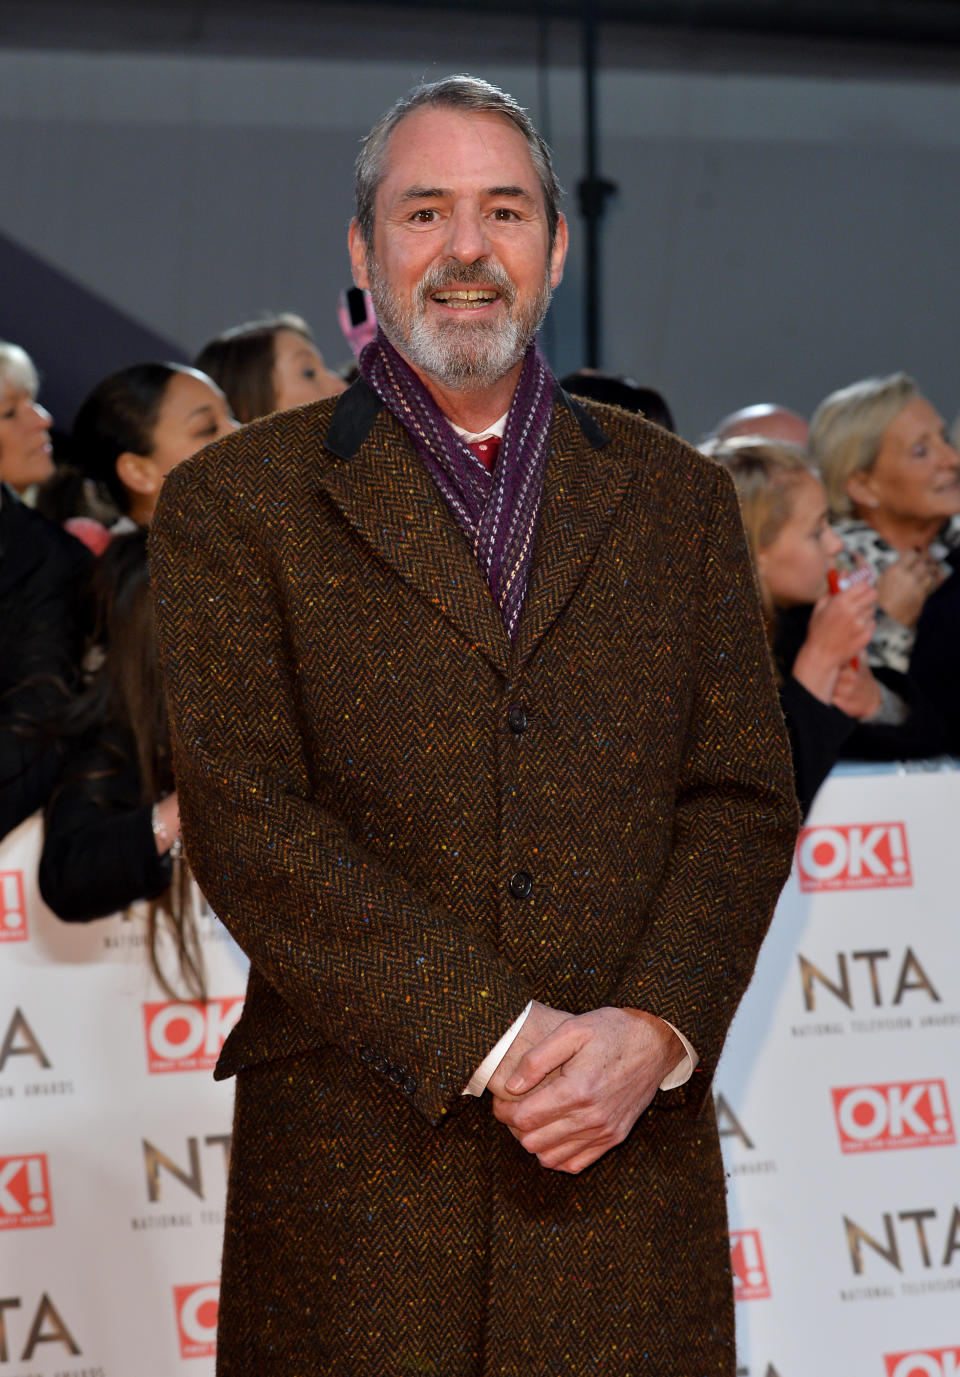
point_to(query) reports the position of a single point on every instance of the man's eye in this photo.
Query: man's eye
(310, 373)
(424, 216)
(919, 451)
(504, 213)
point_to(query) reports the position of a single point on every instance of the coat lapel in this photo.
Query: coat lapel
(585, 479)
(386, 493)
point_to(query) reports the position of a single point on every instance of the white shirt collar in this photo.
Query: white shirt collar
(471, 438)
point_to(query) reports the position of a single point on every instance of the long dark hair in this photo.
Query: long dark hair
(119, 416)
(242, 359)
(123, 705)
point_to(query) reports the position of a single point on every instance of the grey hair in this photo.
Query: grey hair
(459, 92)
(16, 368)
(847, 430)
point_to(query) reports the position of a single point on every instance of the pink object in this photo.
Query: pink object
(92, 534)
(357, 334)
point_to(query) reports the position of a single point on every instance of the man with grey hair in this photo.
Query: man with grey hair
(474, 681)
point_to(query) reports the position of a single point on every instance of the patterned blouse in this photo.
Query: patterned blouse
(892, 644)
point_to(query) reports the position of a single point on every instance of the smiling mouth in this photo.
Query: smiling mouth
(465, 298)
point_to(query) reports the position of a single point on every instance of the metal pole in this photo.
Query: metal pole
(594, 191)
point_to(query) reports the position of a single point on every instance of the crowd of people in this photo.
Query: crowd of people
(853, 521)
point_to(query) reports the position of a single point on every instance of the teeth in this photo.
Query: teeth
(464, 295)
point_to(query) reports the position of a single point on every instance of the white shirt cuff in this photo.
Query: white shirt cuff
(478, 1082)
(682, 1072)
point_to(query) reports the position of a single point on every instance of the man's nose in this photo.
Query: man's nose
(467, 235)
(43, 420)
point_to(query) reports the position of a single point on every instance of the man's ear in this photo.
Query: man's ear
(859, 489)
(358, 255)
(558, 253)
(137, 473)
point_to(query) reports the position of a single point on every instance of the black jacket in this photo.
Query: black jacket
(43, 580)
(818, 731)
(99, 853)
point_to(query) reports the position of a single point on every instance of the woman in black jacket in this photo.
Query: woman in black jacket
(112, 833)
(816, 637)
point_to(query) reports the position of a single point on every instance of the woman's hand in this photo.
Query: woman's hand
(841, 625)
(166, 824)
(904, 587)
(857, 692)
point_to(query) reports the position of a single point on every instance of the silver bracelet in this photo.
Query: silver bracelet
(161, 834)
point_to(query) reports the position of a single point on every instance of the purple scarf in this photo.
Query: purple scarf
(497, 512)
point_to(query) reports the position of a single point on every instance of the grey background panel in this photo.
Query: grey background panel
(776, 232)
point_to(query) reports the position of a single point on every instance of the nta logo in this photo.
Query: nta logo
(901, 1114)
(188, 1037)
(13, 907)
(25, 1199)
(926, 1362)
(196, 1308)
(749, 1269)
(868, 856)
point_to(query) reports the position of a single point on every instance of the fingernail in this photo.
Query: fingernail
(515, 1085)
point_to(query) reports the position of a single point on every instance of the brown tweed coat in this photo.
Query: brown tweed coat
(355, 803)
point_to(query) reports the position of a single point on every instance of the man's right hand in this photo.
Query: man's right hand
(538, 1024)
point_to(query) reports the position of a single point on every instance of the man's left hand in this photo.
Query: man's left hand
(610, 1062)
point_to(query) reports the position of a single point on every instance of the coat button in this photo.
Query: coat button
(382, 1065)
(409, 1085)
(367, 1054)
(396, 1074)
(517, 720)
(521, 884)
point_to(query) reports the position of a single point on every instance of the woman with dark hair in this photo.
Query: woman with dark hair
(268, 365)
(622, 392)
(141, 422)
(112, 823)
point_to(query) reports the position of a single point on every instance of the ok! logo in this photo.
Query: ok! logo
(899, 1114)
(188, 1037)
(25, 1199)
(750, 1280)
(926, 1362)
(13, 907)
(858, 856)
(196, 1308)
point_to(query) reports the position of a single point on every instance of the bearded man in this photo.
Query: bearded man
(479, 758)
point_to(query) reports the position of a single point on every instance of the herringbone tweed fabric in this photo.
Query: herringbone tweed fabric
(355, 803)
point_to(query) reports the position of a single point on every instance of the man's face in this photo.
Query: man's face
(460, 269)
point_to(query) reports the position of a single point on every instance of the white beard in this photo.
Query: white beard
(468, 354)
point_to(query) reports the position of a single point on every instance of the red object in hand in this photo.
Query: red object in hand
(839, 580)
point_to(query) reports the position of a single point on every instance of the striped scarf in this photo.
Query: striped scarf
(497, 512)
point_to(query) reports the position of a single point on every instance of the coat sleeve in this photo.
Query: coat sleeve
(364, 960)
(99, 855)
(735, 817)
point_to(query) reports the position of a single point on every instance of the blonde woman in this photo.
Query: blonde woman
(893, 484)
(817, 638)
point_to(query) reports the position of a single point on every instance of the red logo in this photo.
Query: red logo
(25, 1199)
(927, 1362)
(749, 1269)
(13, 907)
(197, 1318)
(902, 1114)
(869, 856)
(188, 1037)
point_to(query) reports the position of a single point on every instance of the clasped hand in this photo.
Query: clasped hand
(572, 1086)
